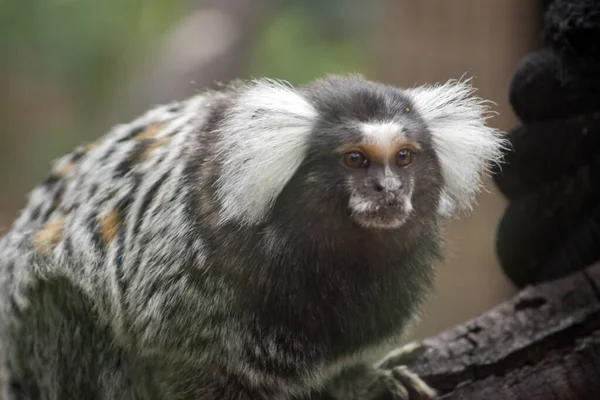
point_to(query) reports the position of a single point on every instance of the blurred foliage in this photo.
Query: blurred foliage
(63, 62)
(308, 39)
(340, 19)
(87, 46)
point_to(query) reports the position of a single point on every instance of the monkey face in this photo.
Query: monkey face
(380, 182)
(385, 173)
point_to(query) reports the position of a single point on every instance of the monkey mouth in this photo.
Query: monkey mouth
(372, 215)
(377, 222)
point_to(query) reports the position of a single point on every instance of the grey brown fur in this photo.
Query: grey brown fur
(126, 277)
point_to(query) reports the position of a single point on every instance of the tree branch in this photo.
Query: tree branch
(542, 344)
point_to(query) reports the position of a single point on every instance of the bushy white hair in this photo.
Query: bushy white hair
(465, 145)
(263, 141)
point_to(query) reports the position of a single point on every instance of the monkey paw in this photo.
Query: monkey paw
(402, 355)
(399, 383)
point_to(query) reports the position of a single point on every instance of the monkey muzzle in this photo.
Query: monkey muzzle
(383, 210)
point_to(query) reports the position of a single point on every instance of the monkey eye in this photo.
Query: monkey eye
(356, 159)
(404, 157)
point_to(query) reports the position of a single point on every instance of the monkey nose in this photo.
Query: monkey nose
(387, 185)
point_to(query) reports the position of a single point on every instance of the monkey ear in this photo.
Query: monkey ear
(262, 141)
(465, 146)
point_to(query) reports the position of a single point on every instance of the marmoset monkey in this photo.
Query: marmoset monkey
(254, 242)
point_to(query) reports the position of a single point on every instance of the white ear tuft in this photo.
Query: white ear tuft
(464, 144)
(262, 142)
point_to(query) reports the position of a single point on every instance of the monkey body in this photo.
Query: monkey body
(210, 250)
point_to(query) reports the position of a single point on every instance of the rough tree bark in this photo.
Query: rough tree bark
(544, 344)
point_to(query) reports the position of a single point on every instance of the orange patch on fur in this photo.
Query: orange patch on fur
(65, 169)
(110, 226)
(46, 239)
(150, 132)
(92, 146)
(156, 144)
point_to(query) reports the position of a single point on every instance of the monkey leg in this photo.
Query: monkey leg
(388, 379)
(366, 382)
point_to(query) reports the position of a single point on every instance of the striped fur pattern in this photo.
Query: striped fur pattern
(191, 253)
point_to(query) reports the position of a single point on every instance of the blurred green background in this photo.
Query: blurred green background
(70, 69)
(66, 63)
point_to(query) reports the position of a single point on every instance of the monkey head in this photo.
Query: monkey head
(352, 151)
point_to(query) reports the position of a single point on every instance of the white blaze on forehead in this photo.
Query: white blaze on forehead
(382, 134)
